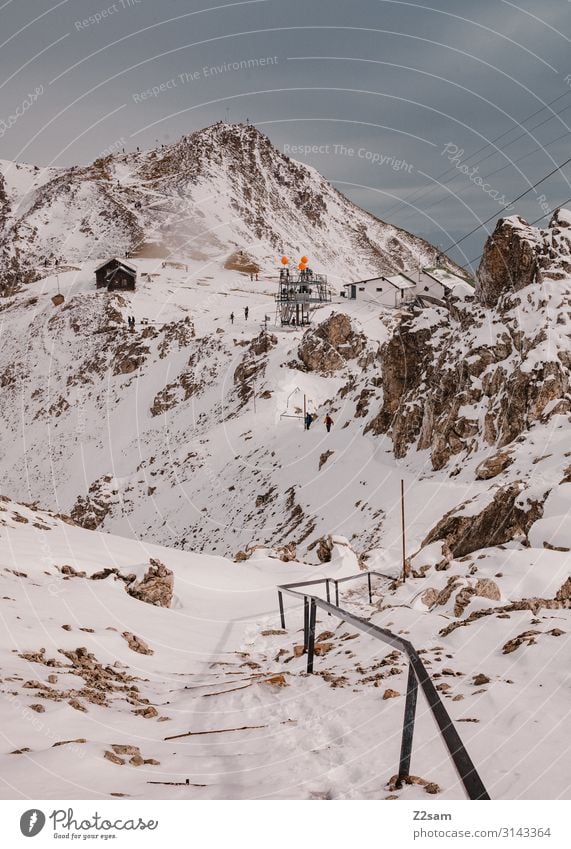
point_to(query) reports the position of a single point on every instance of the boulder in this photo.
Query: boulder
(278, 680)
(492, 466)
(156, 586)
(136, 643)
(391, 694)
(115, 759)
(486, 588)
(328, 347)
(324, 549)
(287, 552)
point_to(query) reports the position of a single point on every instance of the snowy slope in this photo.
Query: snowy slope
(187, 432)
(74, 689)
(160, 424)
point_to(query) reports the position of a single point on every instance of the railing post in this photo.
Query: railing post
(311, 641)
(281, 604)
(337, 593)
(327, 593)
(408, 726)
(370, 591)
(305, 622)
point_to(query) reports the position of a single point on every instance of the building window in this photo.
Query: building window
(361, 288)
(379, 290)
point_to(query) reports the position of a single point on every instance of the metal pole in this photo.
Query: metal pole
(305, 622)
(281, 604)
(337, 593)
(311, 642)
(370, 591)
(304, 408)
(403, 532)
(408, 726)
(328, 594)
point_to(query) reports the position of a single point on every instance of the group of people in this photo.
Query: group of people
(131, 322)
(327, 421)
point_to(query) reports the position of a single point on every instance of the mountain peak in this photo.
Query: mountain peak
(215, 190)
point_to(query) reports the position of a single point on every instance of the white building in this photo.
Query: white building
(439, 282)
(399, 289)
(385, 291)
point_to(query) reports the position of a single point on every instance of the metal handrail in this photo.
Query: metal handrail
(417, 674)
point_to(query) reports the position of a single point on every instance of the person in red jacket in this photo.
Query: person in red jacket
(328, 422)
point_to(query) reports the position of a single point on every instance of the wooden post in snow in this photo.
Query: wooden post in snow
(403, 532)
(304, 409)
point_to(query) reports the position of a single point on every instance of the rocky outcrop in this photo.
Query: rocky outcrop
(91, 511)
(503, 518)
(329, 346)
(454, 384)
(509, 261)
(324, 549)
(156, 586)
(404, 359)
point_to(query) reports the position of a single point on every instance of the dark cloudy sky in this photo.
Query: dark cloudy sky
(397, 97)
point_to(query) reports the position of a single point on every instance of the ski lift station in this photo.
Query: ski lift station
(300, 292)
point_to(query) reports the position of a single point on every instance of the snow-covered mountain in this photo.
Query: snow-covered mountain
(213, 193)
(184, 437)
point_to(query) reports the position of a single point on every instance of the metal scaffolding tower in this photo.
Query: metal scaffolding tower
(299, 293)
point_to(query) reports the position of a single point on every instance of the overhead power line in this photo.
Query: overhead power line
(417, 193)
(497, 171)
(515, 200)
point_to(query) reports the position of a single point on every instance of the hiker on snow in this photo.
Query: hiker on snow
(246, 311)
(328, 422)
(232, 317)
(308, 420)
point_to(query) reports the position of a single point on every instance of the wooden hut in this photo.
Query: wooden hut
(116, 273)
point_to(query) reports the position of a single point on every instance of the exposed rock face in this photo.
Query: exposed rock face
(253, 364)
(156, 587)
(480, 375)
(501, 520)
(509, 261)
(404, 358)
(202, 368)
(331, 344)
